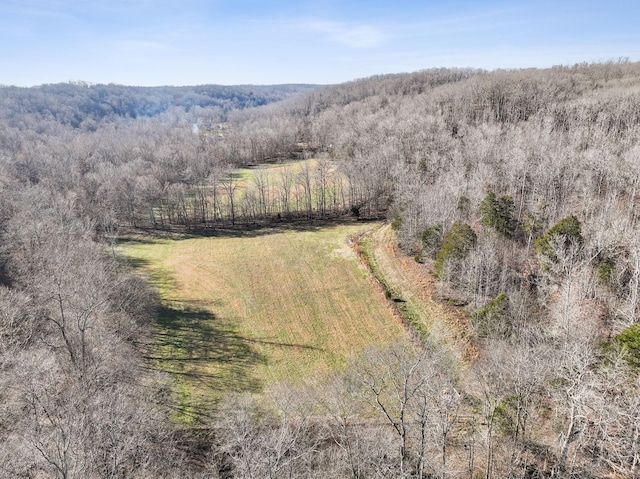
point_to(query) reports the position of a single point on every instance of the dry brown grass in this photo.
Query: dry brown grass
(413, 284)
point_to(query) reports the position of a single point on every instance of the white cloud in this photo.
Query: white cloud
(352, 36)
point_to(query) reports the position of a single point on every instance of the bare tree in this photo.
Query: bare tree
(404, 383)
(260, 443)
(230, 183)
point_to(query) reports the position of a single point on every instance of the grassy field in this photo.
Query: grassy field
(247, 310)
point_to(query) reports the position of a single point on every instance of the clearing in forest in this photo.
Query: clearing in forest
(242, 311)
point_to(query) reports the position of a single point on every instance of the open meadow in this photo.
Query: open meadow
(243, 311)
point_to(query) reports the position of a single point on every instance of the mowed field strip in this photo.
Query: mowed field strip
(412, 285)
(244, 311)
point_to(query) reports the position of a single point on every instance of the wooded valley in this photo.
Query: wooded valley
(514, 193)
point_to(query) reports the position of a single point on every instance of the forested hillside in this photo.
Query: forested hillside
(516, 192)
(85, 105)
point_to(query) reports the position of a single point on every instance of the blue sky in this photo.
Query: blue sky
(190, 42)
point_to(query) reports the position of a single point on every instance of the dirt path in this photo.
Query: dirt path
(410, 287)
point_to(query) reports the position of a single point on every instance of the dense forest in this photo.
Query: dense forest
(517, 191)
(86, 105)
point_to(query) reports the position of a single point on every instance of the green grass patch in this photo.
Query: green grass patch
(246, 311)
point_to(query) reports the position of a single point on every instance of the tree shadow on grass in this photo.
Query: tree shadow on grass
(258, 228)
(135, 263)
(242, 229)
(206, 358)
